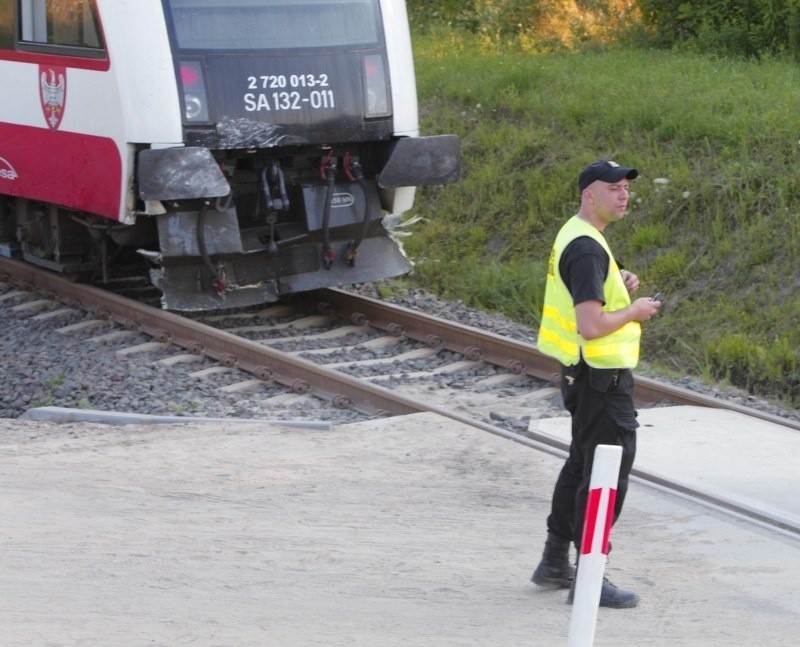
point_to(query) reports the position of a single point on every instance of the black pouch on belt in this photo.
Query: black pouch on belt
(603, 379)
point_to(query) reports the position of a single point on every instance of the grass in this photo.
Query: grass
(714, 218)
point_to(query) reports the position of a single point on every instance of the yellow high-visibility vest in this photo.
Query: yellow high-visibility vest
(558, 331)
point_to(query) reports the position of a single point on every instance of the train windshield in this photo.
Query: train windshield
(273, 24)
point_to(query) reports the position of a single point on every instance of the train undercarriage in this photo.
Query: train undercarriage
(238, 228)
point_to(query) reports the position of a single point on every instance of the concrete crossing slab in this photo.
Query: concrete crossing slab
(725, 453)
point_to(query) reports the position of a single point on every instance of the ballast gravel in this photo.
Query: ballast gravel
(42, 366)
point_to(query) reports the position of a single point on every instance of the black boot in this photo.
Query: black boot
(611, 596)
(555, 570)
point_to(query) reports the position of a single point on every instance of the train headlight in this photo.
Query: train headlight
(376, 91)
(195, 99)
(194, 107)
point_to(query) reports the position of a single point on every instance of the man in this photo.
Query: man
(590, 325)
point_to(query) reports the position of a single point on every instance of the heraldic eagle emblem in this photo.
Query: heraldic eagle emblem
(54, 93)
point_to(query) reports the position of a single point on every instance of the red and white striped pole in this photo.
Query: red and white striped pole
(594, 544)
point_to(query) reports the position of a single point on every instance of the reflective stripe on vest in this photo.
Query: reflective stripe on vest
(558, 331)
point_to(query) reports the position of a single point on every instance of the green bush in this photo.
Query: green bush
(746, 28)
(750, 28)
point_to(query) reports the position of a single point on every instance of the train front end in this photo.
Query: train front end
(300, 141)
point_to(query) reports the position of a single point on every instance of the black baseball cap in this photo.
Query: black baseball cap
(605, 170)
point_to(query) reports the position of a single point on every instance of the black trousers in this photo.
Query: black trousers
(601, 404)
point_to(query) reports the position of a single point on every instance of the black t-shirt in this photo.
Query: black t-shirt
(584, 268)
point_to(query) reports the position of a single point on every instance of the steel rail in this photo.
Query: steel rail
(526, 358)
(304, 376)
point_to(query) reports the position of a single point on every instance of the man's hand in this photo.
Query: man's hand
(645, 308)
(594, 322)
(631, 281)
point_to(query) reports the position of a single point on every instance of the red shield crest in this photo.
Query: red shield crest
(53, 83)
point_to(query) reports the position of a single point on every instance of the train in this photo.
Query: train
(238, 150)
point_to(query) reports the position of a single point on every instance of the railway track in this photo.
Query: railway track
(379, 359)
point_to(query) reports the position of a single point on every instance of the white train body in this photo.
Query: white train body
(246, 148)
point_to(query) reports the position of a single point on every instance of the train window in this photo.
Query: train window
(273, 24)
(64, 23)
(6, 20)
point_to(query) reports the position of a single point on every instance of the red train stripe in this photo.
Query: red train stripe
(82, 172)
(38, 58)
